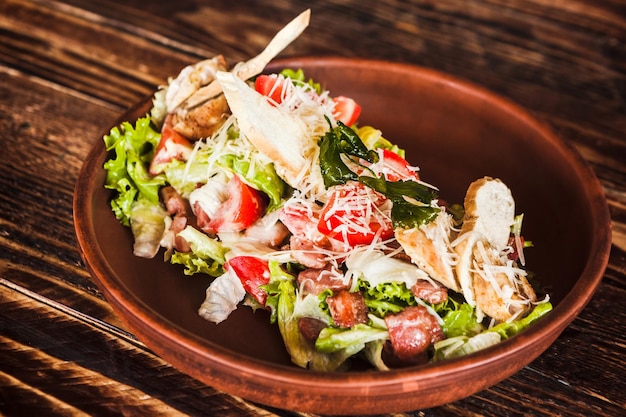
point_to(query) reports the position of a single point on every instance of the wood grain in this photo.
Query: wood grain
(69, 68)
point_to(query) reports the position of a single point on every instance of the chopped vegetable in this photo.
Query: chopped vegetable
(339, 141)
(127, 171)
(347, 111)
(321, 224)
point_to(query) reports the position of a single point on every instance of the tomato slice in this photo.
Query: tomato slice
(244, 206)
(356, 215)
(394, 167)
(271, 86)
(253, 272)
(346, 110)
(172, 145)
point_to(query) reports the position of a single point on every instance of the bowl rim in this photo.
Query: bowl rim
(150, 326)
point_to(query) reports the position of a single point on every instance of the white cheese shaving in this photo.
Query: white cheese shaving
(377, 268)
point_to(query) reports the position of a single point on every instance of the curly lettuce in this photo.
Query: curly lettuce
(207, 255)
(127, 172)
(185, 176)
(464, 335)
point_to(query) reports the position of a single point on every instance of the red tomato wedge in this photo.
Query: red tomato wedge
(252, 272)
(244, 206)
(270, 86)
(346, 110)
(394, 167)
(355, 214)
(172, 145)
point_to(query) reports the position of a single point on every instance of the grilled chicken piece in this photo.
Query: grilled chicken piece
(429, 248)
(501, 291)
(489, 279)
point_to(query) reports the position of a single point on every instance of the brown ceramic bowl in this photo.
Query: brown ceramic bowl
(456, 133)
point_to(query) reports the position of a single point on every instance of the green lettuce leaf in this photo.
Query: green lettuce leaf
(147, 223)
(274, 290)
(373, 352)
(386, 298)
(263, 177)
(282, 300)
(185, 176)
(296, 345)
(506, 330)
(196, 265)
(298, 77)
(458, 346)
(127, 172)
(463, 335)
(207, 255)
(351, 341)
(459, 319)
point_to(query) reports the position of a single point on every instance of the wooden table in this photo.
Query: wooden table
(69, 68)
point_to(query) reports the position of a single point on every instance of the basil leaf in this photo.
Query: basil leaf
(408, 215)
(405, 214)
(337, 141)
(396, 191)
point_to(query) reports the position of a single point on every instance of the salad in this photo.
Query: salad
(270, 184)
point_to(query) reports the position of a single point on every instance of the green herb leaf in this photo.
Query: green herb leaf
(337, 141)
(405, 213)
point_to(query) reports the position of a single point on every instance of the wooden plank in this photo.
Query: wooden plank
(69, 68)
(71, 363)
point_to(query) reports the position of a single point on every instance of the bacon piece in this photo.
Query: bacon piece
(179, 208)
(310, 327)
(308, 253)
(412, 331)
(300, 219)
(174, 202)
(269, 232)
(314, 281)
(428, 292)
(347, 308)
(178, 224)
(307, 244)
(202, 219)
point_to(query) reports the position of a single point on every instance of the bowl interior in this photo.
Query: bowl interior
(455, 133)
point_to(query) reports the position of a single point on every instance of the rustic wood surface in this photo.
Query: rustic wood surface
(69, 68)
